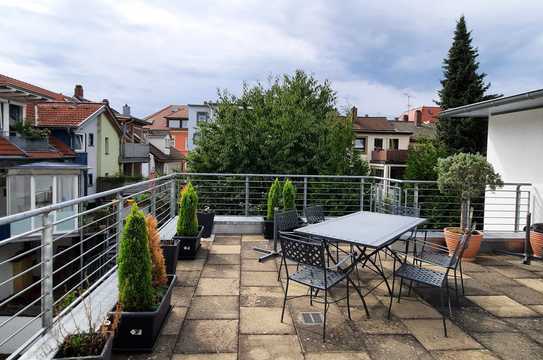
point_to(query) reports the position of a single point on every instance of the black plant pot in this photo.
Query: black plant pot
(104, 355)
(189, 245)
(268, 229)
(138, 331)
(170, 249)
(206, 219)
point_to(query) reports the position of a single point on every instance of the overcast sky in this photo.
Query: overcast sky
(150, 54)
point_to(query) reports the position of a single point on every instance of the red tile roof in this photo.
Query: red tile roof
(372, 123)
(60, 146)
(159, 118)
(8, 149)
(9, 81)
(63, 114)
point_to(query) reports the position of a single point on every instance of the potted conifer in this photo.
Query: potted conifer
(466, 176)
(273, 203)
(145, 299)
(169, 248)
(188, 232)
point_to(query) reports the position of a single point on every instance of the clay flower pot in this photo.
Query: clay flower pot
(452, 238)
(536, 242)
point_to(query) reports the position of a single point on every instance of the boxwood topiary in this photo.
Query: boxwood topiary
(289, 195)
(274, 199)
(187, 221)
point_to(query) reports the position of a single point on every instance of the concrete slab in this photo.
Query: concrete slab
(475, 319)
(513, 272)
(535, 284)
(337, 356)
(261, 296)
(464, 355)
(254, 265)
(378, 323)
(208, 286)
(259, 278)
(181, 296)
(411, 308)
(430, 334)
(221, 271)
(223, 259)
(269, 347)
(214, 307)
(208, 336)
(510, 346)
(263, 320)
(223, 356)
(225, 249)
(395, 347)
(502, 306)
(174, 321)
(252, 237)
(190, 265)
(187, 278)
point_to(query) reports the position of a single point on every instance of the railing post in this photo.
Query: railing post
(372, 190)
(47, 271)
(416, 196)
(120, 223)
(153, 201)
(305, 192)
(517, 207)
(362, 194)
(246, 196)
(172, 199)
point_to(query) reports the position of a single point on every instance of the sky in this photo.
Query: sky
(149, 54)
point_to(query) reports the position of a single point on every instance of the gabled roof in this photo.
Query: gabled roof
(14, 87)
(375, 124)
(160, 118)
(53, 149)
(9, 149)
(174, 156)
(63, 114)
(418, 132)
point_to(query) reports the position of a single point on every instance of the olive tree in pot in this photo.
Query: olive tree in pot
(466, 176)
(273, 204)
(188, 232)
(145, 305)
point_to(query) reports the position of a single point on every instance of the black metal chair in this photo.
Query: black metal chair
(310, 255)
(285, 221)
(314, 214)
(429, 277)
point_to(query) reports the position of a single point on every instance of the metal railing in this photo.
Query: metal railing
(45, 272)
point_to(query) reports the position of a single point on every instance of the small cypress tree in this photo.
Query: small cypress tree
(274, 199)
(289, 195)
(157, 257)
(134, 271)
(187, 221)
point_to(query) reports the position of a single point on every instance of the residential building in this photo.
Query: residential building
(514, 147)
(421, 115)
(134, 146)
(174, 118)
(381, 144)
(197, 113)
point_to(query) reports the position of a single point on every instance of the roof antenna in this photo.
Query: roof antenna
(409, 97)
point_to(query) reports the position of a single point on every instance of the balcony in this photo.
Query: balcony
(389, 156)
(134, 153)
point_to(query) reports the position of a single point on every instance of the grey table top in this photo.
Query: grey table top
(363, 228)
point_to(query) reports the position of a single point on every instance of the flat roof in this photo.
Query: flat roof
(50, 165)
(524, 101)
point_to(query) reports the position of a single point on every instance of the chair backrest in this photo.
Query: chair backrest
(286, 220)
(405, 210)
(302, 250)
(460, 248)
(314, 214)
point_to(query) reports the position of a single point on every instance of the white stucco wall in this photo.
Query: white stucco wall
(515, 147)
(192, 122)
(90, 127)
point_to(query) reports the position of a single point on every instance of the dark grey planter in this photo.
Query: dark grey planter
(189, 245)
(207, 220)
(268, 229)
(138, 331)
(104, 355)
(170, 249)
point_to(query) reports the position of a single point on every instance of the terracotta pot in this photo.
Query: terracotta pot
(536, 242)
(452, 238)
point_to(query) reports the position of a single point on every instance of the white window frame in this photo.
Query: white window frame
(83, 137)
(90, 136)
(206, 114)
(173, 122)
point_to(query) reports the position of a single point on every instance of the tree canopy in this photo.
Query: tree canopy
(462, 84)
(290, 126)
(422, 160)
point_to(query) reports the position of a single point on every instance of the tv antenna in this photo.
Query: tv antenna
(409, 97)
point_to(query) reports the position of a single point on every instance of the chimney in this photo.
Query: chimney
(105, 101)
(418, 118)
(354, 112)
(126, 110)
(78, 91)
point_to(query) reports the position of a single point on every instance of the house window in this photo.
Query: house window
(91, 139)
(79, 142)
(393, 144)
(15, 114)
(106, 145)
(360, 144)
(195, 138)
(378, 144)
(184, 124)
(174, 124)
(89, 177)
(202, 116)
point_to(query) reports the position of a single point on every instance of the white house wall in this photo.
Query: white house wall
(192, 121)
(87, 128)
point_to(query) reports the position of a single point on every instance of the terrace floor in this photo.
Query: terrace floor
(227, 305)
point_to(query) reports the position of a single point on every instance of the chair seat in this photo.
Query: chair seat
(314, 277)
(435, 258)
(421, 275)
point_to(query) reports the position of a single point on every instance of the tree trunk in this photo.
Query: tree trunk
(464, 215)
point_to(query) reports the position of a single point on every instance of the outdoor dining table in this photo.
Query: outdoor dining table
(369, 232)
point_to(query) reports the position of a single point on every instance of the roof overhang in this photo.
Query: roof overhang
(503, 105)
(14, 93)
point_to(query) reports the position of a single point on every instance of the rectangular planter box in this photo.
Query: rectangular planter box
(104, 355)
(206, 219)
(170, 249)
(138, 331)
(189, 245)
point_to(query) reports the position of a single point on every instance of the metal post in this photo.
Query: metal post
(517, 208)
(527, 246)
(246, 196)
(362, 194)
(153, 202)
(172, 199)
(372, 188)
(416, 196)
(305, 192)
(120, 222)
(47, 271)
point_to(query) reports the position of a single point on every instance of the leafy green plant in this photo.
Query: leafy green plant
(289, 195)
(274, 199)
(187, 221)
(466, 176)
(136, 291)
(31, 133)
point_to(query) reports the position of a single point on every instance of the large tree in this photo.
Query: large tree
(462, 84)
(290, 126)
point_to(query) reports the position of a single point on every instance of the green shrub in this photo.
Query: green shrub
(289, 195)
(134, 271)
(274, 199)
(187, 221)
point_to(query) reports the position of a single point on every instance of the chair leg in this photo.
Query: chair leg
(284, 301)
(455, 287)
(325, 311)
(392, 291)
(449, 300)
(348, 302)
(279, 272)
(410, 288)
(443, 316)
(399, 290)
(311, 296)
(461, 277)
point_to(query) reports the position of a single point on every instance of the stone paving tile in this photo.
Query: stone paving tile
(395, 347)
(513, 272)
(252, 238)
(225, 249)
(533, 266)
(538, 308)
(263, 320)
(492, 260)
(431, 336)
(208, 286)
(493, 279)
(187, 278)
(162, 351)
(269, 347)
(227, 240)
(502, 306)
(261, 296)
(378, 323)
(174, 321)
(511, 346)
(259, 278)
(181, 296)
(464, 355)
(221, 271)
(411, 308)
(475, 319)
(208, 336)
(190, 265)
(475, 287)
(214, 307)
(337, 356)
(469, 267)
(223, 259)
(536, 284)
(532, 327)
(523, 294)
(254, 265)
(223, 356)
